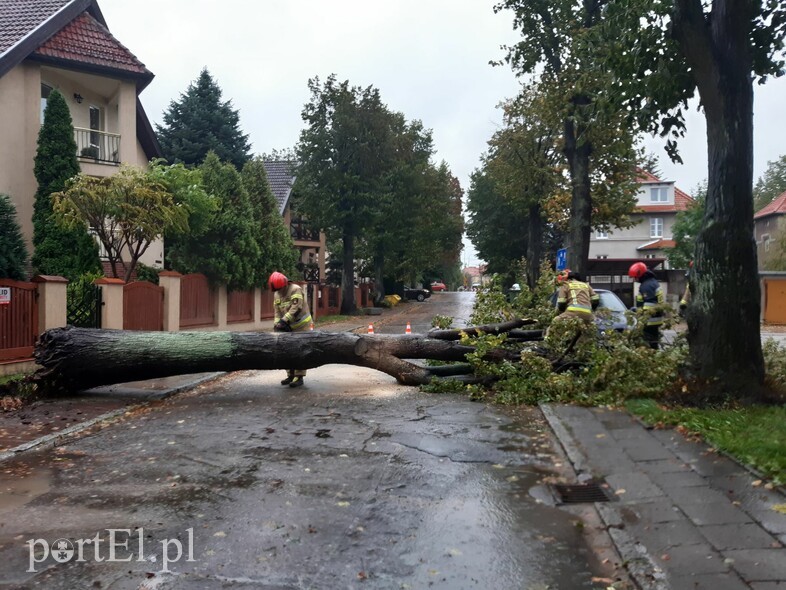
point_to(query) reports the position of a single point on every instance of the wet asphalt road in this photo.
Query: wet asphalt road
(349, 482)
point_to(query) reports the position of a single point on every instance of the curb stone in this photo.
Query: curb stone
(642, 571)
(51, 440)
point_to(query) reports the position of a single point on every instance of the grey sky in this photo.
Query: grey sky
(429, 59)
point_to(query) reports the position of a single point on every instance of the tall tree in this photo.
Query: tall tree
(771, 185)
(58, 250)
(277, 251)
(554, 45)
(663, 52)
(344, 153)
(200, 122)
(227, 251)
(524, 160)
(13, 254)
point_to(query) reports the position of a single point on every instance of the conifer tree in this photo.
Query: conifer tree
(277, 250)
(201, 122)
(58, 250)
(13, 254)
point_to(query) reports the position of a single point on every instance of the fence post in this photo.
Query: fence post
(52, 301)
(221, 304)
(170, 281)
(112, 303)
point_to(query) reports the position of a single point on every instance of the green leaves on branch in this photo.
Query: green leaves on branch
(127, 211)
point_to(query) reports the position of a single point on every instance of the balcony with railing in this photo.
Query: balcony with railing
(97, 145)
(300, 231)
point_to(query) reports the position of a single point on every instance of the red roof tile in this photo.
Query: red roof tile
(658, 245)
(86, 41)
(776, 207)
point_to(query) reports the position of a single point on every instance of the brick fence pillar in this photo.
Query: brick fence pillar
(52, 301)
(170, 281)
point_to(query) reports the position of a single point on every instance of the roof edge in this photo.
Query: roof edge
(145, 133)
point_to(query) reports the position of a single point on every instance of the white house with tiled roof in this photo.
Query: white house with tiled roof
(650, 236)
(65, 44)
(768, 227)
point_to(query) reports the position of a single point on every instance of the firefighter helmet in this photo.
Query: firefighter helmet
(637, 270)
(277, 281)
(563, 276)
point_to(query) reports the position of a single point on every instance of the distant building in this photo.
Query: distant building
(650, 237)
(768, 226)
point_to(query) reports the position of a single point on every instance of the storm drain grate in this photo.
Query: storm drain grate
(581, 493)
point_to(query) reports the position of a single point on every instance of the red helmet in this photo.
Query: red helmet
(277, 281)
(636, 270)
(562, 276)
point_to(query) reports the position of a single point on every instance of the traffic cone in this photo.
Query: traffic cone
(409, 329)
(371, 328)
(311, 327)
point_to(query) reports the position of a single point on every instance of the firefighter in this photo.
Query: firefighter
(650, 297)
(575, 298)
(290, 315)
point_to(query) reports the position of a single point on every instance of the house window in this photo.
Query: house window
(659, 195)
(46, 90)
(765, 239)
(649, 256)
(602, 256)
(95, 125)
(656, 227)
(602, 234)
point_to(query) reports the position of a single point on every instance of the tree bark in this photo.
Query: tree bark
(724, 317)
(348, 273)
(577, 151)
(534, 245)
(79, 358)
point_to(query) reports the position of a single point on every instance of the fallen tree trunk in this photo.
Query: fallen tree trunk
(79, 358)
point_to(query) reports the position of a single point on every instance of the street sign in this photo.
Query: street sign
(5, 295)
(562, 259)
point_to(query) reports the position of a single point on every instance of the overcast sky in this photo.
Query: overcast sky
(428, 58)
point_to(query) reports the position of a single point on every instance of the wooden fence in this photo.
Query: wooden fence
(18, 320)
(240, 306)
(143, 306)
(197, 302)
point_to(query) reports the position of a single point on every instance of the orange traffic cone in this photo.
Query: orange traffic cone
(409, 329)
(371, 328)
(311, 327)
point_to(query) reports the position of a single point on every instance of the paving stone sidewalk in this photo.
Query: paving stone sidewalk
(684, 517)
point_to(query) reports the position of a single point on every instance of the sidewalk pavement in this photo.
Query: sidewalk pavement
(684, 517)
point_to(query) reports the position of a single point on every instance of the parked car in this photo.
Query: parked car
(438, 286)
(616, 319)
(417, 294)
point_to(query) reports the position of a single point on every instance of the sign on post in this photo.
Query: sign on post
(5, 295)
(562, 259)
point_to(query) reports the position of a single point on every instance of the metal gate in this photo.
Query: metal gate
(18, 319)
(83, 307)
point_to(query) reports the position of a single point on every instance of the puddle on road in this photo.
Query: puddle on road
(29, 476)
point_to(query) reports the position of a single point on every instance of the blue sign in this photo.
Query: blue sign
(562, 259)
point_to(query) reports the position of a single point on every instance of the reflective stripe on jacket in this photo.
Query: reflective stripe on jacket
(576, 296)
(291, 307)
(650, 296)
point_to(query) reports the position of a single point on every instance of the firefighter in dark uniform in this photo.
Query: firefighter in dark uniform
(650, 298)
